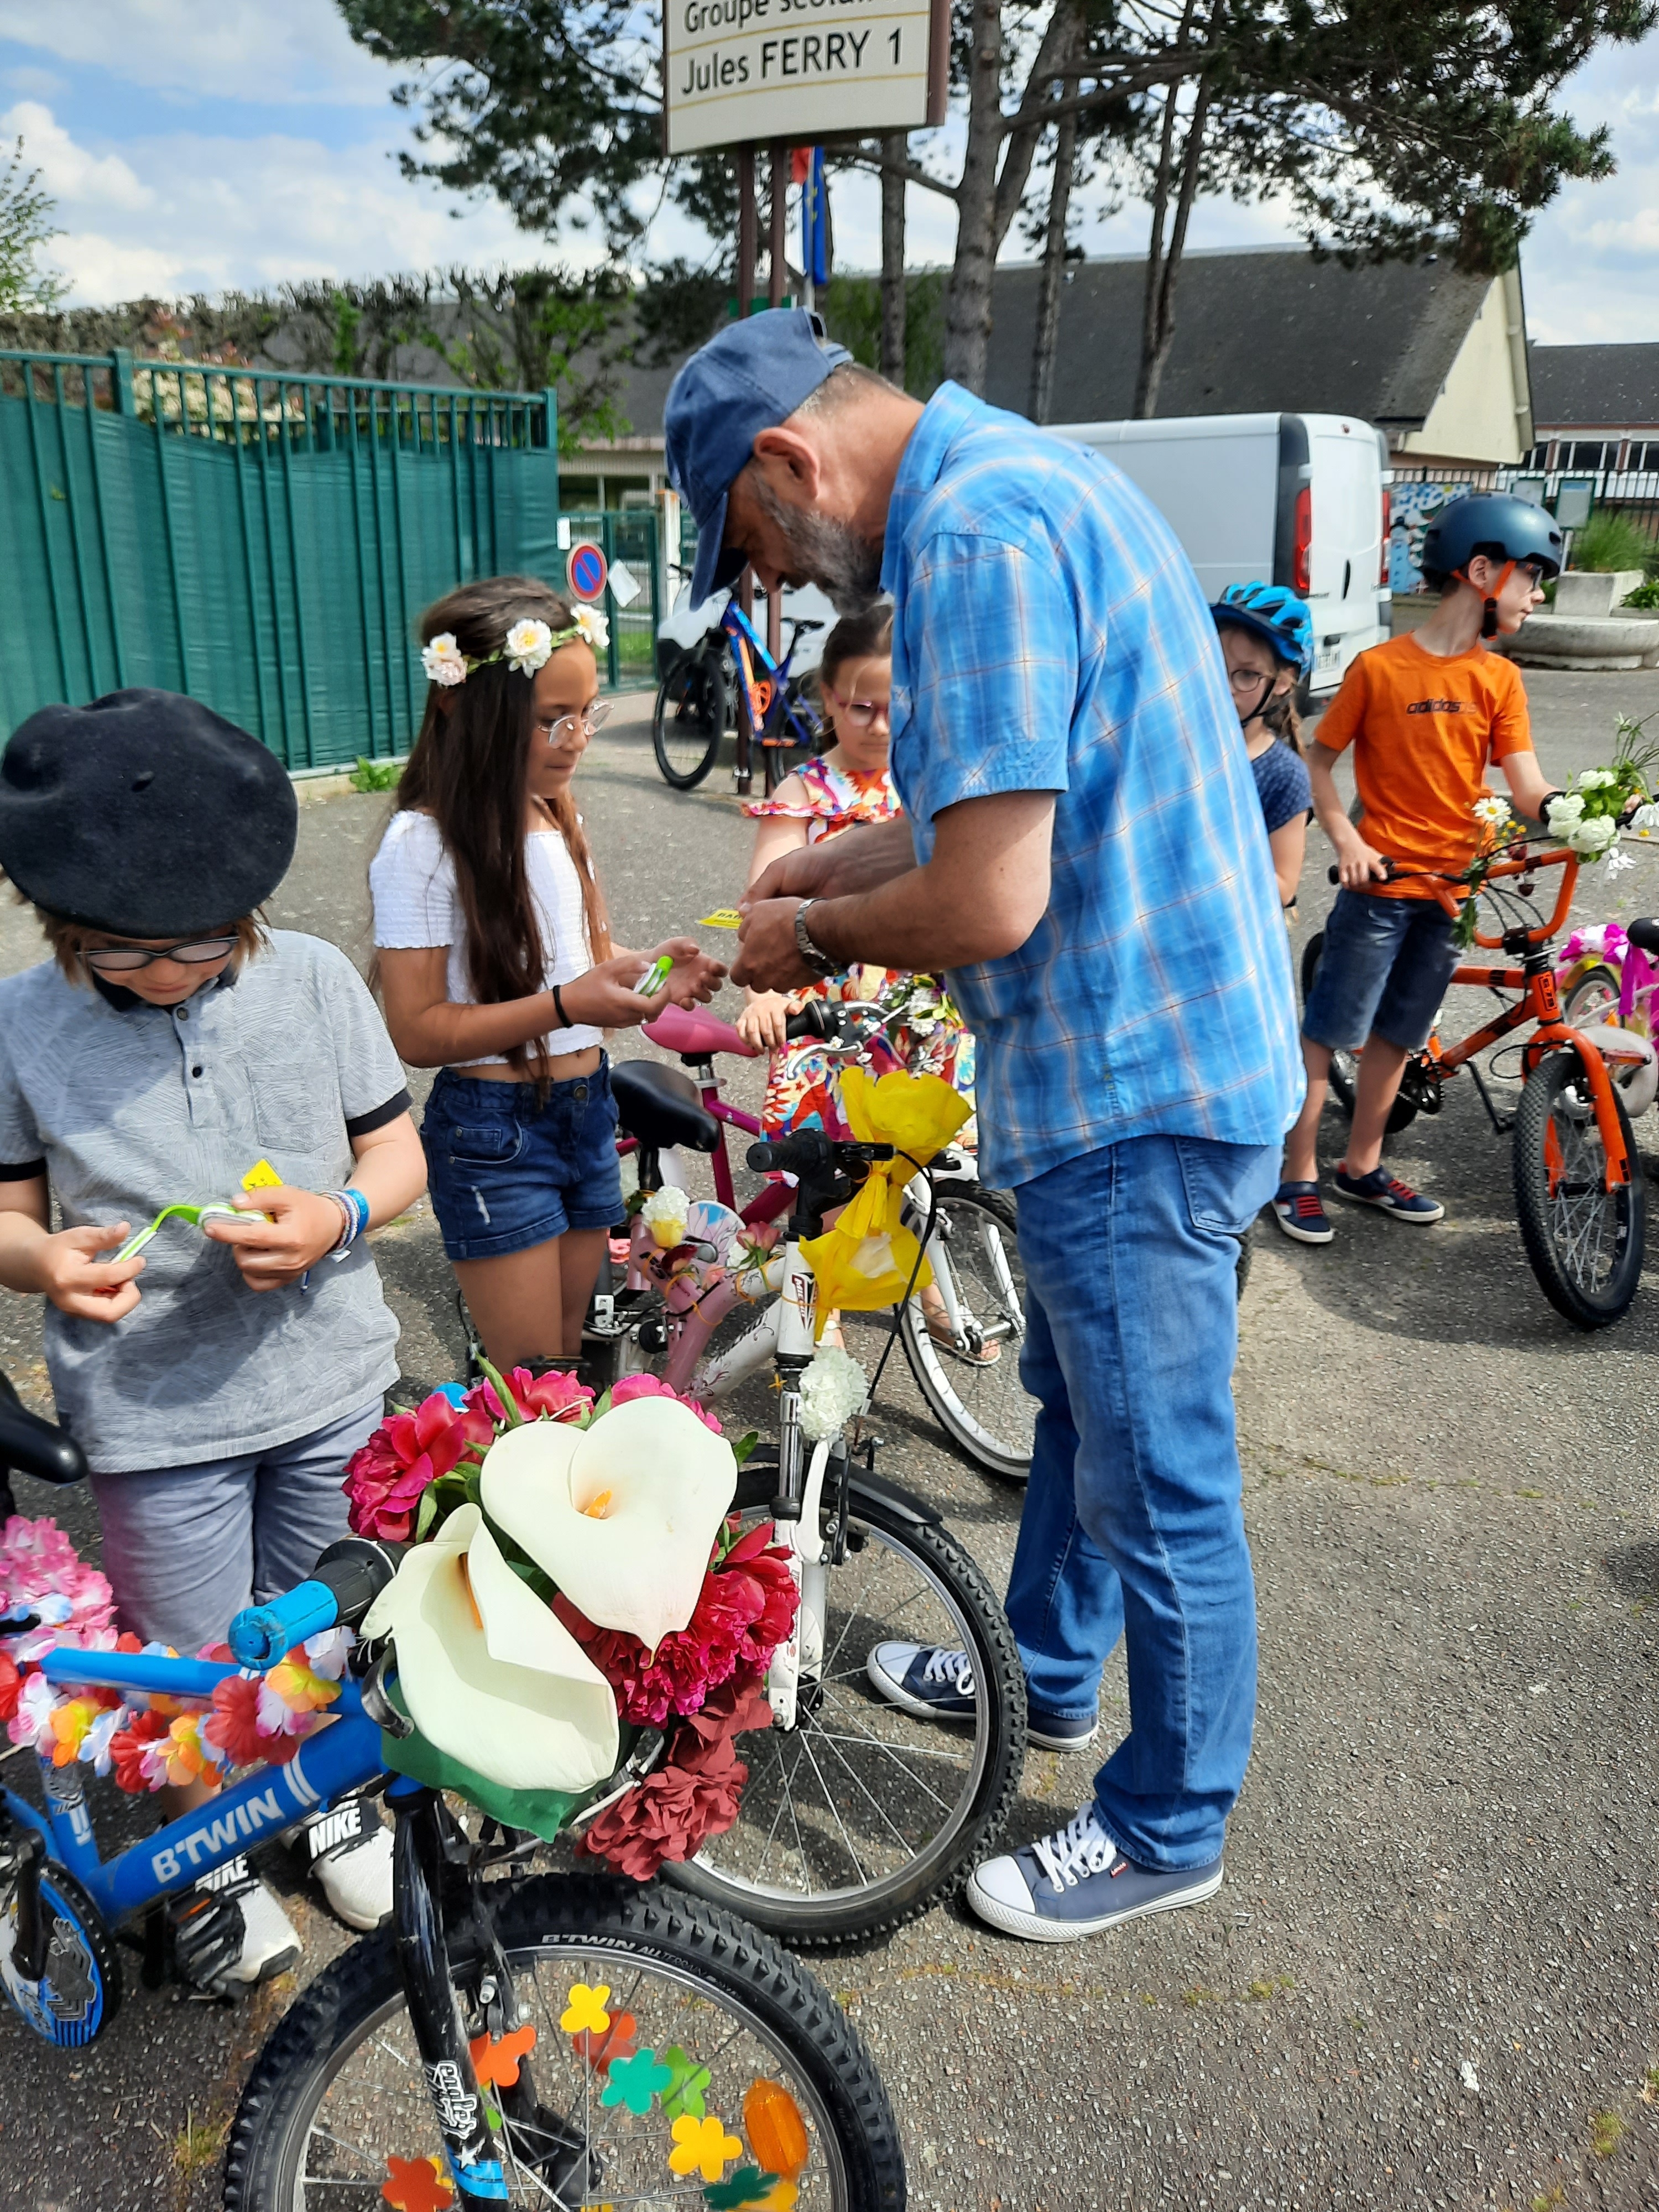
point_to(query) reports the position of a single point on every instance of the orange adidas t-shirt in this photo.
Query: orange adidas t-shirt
(1423, 729)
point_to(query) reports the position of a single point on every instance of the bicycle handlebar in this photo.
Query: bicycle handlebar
(349, 1577)
(810, 1153)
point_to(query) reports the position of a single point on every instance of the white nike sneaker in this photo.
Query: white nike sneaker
(230, 1931)
(350, 1853)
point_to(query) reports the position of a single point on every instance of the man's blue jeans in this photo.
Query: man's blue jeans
(1133, 1523)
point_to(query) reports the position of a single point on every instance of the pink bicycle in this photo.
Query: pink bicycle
(963, 1345)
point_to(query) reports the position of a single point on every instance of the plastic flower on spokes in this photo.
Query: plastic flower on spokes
(444, 661)
(490, 1675)
(529, 646)
(622, 1516)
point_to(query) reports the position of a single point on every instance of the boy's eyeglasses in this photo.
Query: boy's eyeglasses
(124, 959)
(860, 713)
(570, 725)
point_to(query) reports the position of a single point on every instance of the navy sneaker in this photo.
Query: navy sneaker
(1299, 1213)
(1077, 1882)
(1388, 1196)
(937, 1683)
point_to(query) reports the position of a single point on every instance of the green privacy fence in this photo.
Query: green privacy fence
(261, 541)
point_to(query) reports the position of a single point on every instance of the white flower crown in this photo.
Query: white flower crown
(527, 646)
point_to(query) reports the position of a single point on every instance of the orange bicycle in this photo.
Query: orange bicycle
(1578, 1190)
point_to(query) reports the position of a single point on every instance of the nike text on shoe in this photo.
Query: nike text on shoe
(350, 1853)
(1077, 1882)
(229, 1932)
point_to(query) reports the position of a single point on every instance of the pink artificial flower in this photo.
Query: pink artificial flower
(652, 1386)
(555, 1396)
(384, 1479)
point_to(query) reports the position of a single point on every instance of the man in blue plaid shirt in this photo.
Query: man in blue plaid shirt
(1082, 853)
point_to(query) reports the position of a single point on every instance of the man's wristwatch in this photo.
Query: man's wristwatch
(815, 956)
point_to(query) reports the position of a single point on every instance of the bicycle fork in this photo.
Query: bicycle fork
(796, 1508)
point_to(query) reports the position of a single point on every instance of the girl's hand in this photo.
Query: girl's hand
(761, 1023)
(694, 978)
(303, 1229)
(76, 1283)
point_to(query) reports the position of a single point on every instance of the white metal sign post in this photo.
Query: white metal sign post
(803, 70)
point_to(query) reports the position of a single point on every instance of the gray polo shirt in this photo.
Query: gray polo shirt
(128, 1108)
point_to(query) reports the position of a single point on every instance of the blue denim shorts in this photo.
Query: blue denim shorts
(1385, 967)
(505, 1174)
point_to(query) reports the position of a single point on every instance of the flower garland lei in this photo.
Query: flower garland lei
(704, 1685)
(527, 647)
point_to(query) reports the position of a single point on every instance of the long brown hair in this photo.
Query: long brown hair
(468, 769)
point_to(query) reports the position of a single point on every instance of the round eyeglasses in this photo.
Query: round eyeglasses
(1246, 679)
(126, 959)
(860, 713)
(570, 725)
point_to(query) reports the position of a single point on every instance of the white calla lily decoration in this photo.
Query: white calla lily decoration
(490, 1674)
(622, 1515)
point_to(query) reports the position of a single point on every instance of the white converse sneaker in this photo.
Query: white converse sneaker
(230, 1931)
(350, 1853)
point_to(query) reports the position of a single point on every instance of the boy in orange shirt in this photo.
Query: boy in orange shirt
(1425, 713)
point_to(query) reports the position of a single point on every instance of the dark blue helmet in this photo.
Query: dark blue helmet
(1277, 616)
(1493, 523)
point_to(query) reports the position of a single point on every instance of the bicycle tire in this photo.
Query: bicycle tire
(983, 1410)
(857, 1912)
(543, 1919)
(1594, 998)
(688, 721)
(1564, 1244)
(1343, 1079)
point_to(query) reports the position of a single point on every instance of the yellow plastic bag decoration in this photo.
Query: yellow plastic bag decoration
(866, 1259)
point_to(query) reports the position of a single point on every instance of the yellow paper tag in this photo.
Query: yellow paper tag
(723, 917)
(262, 1176)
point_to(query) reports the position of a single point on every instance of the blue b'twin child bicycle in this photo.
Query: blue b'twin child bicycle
(512, 2039)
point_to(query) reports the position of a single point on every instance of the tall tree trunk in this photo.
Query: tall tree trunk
(1158, 328)
(967, 309)
(893, 148)
(1051, 283)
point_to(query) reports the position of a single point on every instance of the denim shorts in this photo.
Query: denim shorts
(505, 1174)
(1385, 966)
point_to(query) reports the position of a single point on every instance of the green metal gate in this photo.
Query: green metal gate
(263, 542)
(629, 536)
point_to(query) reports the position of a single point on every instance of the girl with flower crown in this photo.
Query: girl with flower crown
(495, 964)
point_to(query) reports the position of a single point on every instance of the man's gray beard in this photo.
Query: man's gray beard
(831, 554)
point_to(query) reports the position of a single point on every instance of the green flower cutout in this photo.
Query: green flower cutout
(748, 2185)
(636, 2081)
(688, 2085)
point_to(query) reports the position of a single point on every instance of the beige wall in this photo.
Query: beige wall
(1483, 412)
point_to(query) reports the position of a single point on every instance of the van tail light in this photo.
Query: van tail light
(1302, 549)
(1388, 525)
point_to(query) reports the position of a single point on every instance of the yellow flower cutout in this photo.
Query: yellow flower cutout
(703, 2146)
(587, 2009)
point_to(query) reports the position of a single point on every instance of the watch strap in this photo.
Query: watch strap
(811, 951)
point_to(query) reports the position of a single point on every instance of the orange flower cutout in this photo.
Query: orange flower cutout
(496, 2064)
(416, 2185)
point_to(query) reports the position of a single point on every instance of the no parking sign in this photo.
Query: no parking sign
(585, 572)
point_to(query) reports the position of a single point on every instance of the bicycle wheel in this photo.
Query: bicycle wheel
(1594, 998)
(1584, 1242)
(689, 720)
(861, 1817)
(1344, 1076)
(984, 1410)
(338, 2090)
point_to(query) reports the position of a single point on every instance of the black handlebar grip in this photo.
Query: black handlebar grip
(1646, 934)
(817, 1018)
(357, 1569)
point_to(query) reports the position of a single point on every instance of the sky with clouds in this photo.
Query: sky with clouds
(242, 144)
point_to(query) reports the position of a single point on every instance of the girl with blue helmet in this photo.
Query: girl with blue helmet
(1267, 642)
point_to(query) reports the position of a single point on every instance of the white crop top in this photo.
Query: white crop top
(412, 880)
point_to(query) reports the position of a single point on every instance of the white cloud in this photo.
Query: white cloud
(72, 176)
(99, 270)
(277, 50)
(38, 83)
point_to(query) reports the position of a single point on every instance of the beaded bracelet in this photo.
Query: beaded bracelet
(354, 1208)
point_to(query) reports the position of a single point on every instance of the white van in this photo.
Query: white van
(1299, 500)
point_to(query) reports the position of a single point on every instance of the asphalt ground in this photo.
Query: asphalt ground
(1429, 1978)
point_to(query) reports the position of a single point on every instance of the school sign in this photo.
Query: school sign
(740, 71)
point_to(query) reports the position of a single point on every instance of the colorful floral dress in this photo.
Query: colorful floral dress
(930, 1038)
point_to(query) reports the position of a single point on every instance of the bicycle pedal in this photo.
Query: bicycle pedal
(208, 1932)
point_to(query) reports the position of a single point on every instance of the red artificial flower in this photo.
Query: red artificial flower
(744, 1610)
(384, 1479)
(692, 1795)
(232, 1726)
(555, 1396)
(126, 1747)
(11, 1686)
(652, 1386)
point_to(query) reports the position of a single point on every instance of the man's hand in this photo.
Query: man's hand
(857, 861)
(769, 958)
(303, 1229)
(78, 1284)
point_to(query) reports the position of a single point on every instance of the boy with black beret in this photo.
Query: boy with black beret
(219, 1381)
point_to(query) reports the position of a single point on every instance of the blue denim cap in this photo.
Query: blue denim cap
(749, 378)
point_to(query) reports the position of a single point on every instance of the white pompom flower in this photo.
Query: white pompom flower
(832, 1390)
(444, 661)
(666, 1213)
(529, 646)
(1592, 838)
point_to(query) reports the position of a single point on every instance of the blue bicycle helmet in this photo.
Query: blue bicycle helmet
(1277, 616)
(1502, 528)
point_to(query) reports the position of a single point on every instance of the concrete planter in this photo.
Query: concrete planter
(1587, 627)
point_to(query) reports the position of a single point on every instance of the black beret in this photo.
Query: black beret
(145, 814)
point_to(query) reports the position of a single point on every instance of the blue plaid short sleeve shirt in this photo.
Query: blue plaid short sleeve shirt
(1050, 635)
